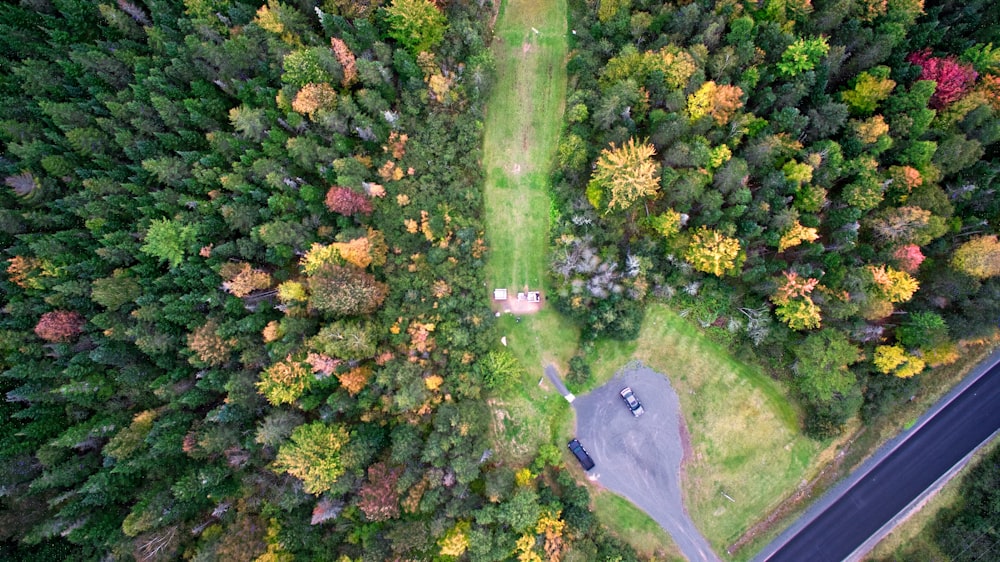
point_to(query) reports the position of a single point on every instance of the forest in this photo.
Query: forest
(242, 314)
(813, 183)
(243, 306)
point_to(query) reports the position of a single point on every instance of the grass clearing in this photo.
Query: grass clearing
(745, 437)
(632, 525)
(523, 121)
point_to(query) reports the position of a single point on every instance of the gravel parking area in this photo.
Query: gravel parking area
(640, 458)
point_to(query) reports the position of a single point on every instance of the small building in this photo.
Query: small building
(534, 296)
(499, 294)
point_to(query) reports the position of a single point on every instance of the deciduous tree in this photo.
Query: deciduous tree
(713, 252)
(952, 77)
(209, 347)
(60, 326)
(907, 225)
(312, 454)
(354, 380)
(378, 498)
(870, 88)
(625, 175)
(890, 284)
(796, 235)
(285, 381)
(417, 24)
(719, 102)
(803, 55)
(893, 359)
(456, 541)
(908, 257)
(312, 98)
(241, 279)
(979, 257)
(821, 365)
(347, 202)
(347, 61)
(345, 290)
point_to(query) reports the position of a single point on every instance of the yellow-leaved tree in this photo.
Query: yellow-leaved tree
(456, 541)
(979, 257)
(624, 175)
(794, 305)
(284, 382)
(795, 235)
(312, 455)
(893, 359)
(713, 252)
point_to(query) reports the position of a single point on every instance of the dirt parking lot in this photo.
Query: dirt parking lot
(640, 458)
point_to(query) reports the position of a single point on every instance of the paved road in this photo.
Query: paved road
(550, 371)
(640, 458)
(840, 526)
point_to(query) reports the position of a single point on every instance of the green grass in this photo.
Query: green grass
(524, 117)
(523, 121)
(744, 431)
(635, 527)
(543, 416)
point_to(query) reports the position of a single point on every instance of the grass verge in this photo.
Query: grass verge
(633, 526)
(747, 452)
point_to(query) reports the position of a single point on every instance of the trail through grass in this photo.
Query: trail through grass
(521, 134)
(745, 438)
(524, 116)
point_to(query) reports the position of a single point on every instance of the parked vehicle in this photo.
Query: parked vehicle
(581, 454)
(631, 401)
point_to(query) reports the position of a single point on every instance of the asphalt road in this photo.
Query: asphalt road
(640, 458)
(550, 371)
(853, 513)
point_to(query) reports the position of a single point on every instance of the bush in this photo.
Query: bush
(579, 372)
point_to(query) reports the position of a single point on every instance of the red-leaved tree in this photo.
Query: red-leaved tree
(347, 202)
(379, 498)
(908, 257)
(59, 326)
(953, 78)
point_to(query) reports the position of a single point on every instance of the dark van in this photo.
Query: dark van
(581, 454)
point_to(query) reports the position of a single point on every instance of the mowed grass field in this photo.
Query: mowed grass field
(745, 437)
(523, 121)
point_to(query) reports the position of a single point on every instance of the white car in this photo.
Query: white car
(631, 401)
